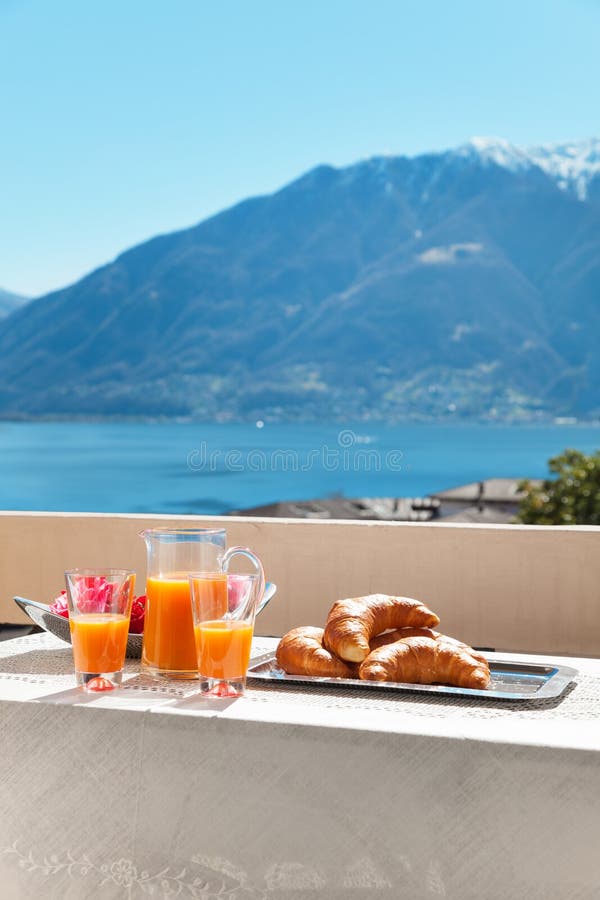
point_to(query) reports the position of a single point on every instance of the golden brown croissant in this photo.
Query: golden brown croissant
(426, 660)
(352, 623)
(388, 637)
(301, 652)
(470, 650)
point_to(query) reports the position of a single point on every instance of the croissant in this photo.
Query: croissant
(426, 660)
(470, 650)
(352, 623)
(388, 637)
(301, 652)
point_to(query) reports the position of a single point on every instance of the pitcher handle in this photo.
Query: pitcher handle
(245, 551)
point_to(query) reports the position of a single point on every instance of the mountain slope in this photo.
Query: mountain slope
(462, 283)
(10, 301)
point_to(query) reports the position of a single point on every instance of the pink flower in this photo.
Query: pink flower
(237, 588)
(94, 594)
(59, 606)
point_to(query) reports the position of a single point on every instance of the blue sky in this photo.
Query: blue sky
(122, 119)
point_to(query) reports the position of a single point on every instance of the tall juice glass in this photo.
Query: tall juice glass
(99, 610)
(173, 553)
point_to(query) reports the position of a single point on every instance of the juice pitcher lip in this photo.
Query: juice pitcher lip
(171, 532)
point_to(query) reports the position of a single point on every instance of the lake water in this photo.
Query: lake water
(191, 468)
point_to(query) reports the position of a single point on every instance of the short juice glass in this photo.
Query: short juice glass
(223, 609)
(99, 610)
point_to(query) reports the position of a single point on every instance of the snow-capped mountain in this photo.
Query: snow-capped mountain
(573, 165)
(457, 284)
(495, 150)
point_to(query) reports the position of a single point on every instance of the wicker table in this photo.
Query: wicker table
(292, 793)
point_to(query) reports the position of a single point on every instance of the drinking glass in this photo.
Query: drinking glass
(99, 603)
(223, 609)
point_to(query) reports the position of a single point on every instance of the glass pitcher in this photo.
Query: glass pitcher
(169, 646)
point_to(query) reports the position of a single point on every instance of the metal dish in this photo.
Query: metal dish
(510, 680)
(40, 615)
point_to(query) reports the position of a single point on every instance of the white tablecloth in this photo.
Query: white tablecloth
(152, 792)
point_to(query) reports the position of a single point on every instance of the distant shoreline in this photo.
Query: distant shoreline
(545, 421)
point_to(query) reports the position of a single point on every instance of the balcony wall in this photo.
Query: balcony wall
(519, 588)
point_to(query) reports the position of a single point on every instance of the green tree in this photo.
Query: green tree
(571, 498)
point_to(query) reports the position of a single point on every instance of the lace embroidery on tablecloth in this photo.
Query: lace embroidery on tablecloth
(203, 877)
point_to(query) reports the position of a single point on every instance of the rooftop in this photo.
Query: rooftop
(491, 490)
(492, 501)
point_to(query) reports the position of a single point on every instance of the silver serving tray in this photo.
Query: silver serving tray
(510, 680)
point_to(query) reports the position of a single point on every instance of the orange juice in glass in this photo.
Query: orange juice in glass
(223, 649)
(99, 610)
(224, 609)
(99, 641)
(173, 554)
